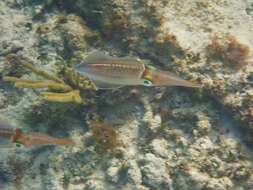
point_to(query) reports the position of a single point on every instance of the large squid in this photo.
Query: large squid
(113, 72)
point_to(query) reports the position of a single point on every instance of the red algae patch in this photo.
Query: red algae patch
(104, 135)
(229, 50)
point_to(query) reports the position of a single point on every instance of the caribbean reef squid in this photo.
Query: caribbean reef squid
(9, 135)
(108, 72)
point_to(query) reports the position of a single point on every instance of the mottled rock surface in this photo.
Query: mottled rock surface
(167, 138)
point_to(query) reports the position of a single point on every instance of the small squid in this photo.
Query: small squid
(9, 135)
(112, 72)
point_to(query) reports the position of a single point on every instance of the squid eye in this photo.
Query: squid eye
(147, 83)
(19, 145)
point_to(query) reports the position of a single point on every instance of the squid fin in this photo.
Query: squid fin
(96, 56)
(104, 85)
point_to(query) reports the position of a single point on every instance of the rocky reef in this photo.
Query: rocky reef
(133, 137)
